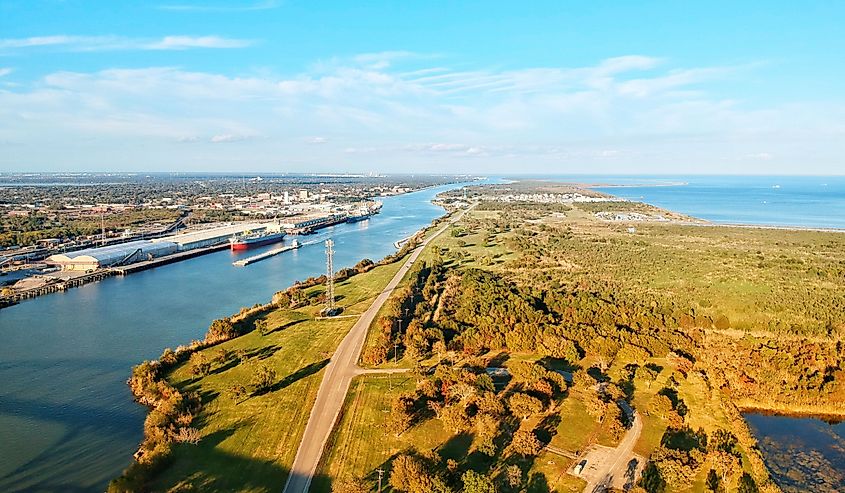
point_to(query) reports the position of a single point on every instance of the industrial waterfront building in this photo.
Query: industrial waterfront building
(137, 251)
(91, 259)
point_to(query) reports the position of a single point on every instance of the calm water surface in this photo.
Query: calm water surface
(804, 201)
(803, 454)
(67, 419)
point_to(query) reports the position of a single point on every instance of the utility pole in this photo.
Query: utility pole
(380, 474)
(330, 307)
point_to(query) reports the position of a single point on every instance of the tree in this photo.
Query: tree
(237, 391)
(401, 414)
(454, 417)
(613, 421)
(349, 484)
(660, 405)
(220, 330)
(513, 476)
(168, 357)
(647, 373)
(726, 465)
(262, 326)
(525, 442)
(651, 480)
(747, 484)
(582, 380)
(722, 440)
(200, 364)
(477, 483)
(487, 427)
(263, 377)
(410, 474)
(712, 481)
(523, 405)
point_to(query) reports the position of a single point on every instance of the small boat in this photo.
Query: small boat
(249, 240)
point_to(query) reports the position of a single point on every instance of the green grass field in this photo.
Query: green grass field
(363, 442)
(248, 444)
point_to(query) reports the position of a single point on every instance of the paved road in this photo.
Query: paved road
(339, 373)
(615, 464)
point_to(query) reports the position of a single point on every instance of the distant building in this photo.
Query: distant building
(303, 194)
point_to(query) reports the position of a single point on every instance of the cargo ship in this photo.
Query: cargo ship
(364, 212)
(249, 240)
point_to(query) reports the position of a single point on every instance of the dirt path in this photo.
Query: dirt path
(614, 467)
(339, 373)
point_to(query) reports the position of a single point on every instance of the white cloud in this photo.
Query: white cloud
(226, 138)
(4, 71)
(620, 110)
(115, 43)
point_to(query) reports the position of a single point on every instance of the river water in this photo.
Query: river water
(802, 453)
(67, 419)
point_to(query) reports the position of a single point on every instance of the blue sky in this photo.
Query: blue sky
(477, 87)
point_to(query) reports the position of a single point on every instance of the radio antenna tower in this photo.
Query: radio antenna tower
(330, 307)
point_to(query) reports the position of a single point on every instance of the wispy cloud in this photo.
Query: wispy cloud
(234, 7)
(115, 43)
(4, 71)
(613, 111)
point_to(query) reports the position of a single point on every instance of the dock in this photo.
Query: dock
(270, 253)
(168, 259)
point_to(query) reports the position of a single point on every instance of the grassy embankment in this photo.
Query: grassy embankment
(249, 443)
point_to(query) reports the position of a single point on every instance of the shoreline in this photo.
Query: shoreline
(800, 411)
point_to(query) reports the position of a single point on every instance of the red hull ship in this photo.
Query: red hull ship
(251, 240)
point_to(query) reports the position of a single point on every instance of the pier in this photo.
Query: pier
(167, 259)
(270, 253)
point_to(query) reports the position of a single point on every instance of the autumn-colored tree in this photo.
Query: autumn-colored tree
(525, 442)
(486, 429)
(513, 476)
(401, 414)
(524, 405)
(200, 365)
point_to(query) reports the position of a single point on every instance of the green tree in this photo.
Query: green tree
(263, 377)
(477, 483)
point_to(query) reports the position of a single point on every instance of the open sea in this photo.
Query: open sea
(800, 201)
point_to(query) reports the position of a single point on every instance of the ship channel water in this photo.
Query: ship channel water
(67, 419)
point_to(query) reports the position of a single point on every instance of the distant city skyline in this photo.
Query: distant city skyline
(436, 87)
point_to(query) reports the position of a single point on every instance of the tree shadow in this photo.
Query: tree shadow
(547, 428)
(538, 483)
(263, 352)
(499, 360)
(205, 467)
(285, 326)
(305, 371)
(456, 447)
